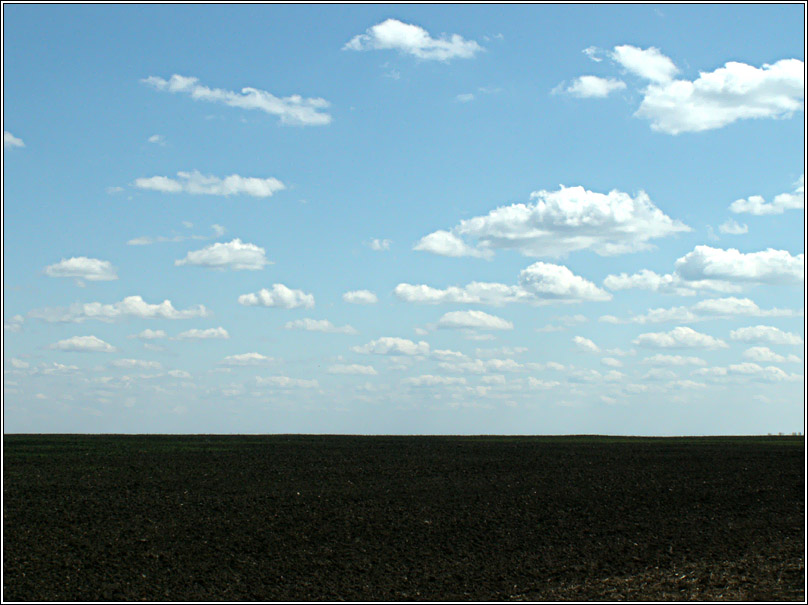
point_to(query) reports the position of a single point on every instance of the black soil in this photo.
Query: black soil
(197, 518)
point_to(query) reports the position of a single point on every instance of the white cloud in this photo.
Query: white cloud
(648, 63)
(388, 345)
(293, 110)
(428, 380)
(536, 383)
(749, 370)
(560, 222)
(465, 97)
(197, 183)
(593, 53)
(584, 344)
(360, 297)
(137, 363)
(765, 335)
(234, 255)
(756, 205)
(353, 368)
(285, 382)
(588, 87)
(680, 337)
(10, 141)
(736, 91)
(380, 244)
(714, 308)
(279, 296)
(611, 362)
(130, 307)
(673, 360)
(319, 325)
(540, 283)
(84, 344)
(149, 334)
(473, 319)
(765, 267)
(145, 240)
(209, 333)
(14, 324)
(247, 359)
(447, 244)
(157, 139)
(732, 227)
(413, 40)
(765, 354)
(91, 269)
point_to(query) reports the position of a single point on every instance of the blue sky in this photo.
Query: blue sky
(404, 219)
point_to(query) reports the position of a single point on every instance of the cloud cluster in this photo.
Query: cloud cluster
(293, 110)
(197, 183)
(540, 283)
(766, 335)
(413, 40)
(235, 255)
(756, 205)
(279, 296)
(560, 222)
(81, 267)
(133, 307)
(319, 325)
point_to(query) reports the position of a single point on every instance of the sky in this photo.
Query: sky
(404, 219)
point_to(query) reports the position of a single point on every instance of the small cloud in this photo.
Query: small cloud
(149, 334)
(196, 183)
(157, 139)
(91, 269)
(84, 344)
(474, 320)
(10, 141)
(731, 227)
(234, 255)
(279, 296)
(319, 325)
(466, 97)
(353, 368)
(584, 344)
(196, 334)
(114, 190)
(247, 359)
(380, 244)
(14, 324)
(360, 297)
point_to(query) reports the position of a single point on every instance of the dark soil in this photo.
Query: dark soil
(197, 518)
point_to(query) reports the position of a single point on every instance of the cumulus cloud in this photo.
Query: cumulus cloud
(680, 337)
(537, 383)
(558, 223)
(10, 141)
(131, 307)
(197, 183)
(588, 87)
(234, 255)
(84, 344)
(285, 382)
(584, 344)
(473, 319)
(429, 380)
(279, 296)
(352, 368)
(413, 40)
(736, 91)
(247, 359)
(756, 205)
(293, 110)
(540, 283)
(732, 227)
(717, 270)
(157, 139)
(766, 335)
(648, 63)
(319, 325)
(714, 308)
(765, 354)
(209, 333)
(81, 267)
(360, 297)
(388, 345)
(448, 244)
(748, 370)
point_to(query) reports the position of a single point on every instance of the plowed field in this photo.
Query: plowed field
(290, 517)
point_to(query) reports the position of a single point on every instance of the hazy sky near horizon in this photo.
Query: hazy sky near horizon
(404, 219)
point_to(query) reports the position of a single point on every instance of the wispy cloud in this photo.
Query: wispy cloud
(131, 307)
(293, 110)
(10, 141)
(197, 183)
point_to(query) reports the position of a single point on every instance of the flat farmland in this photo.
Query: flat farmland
(299, 517)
